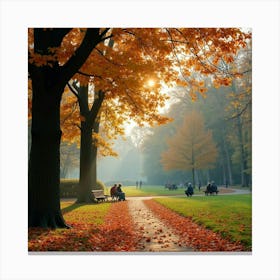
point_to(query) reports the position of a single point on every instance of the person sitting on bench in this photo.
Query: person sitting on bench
(189, 190)
(120, 193)
(214, 187)
(113, 191)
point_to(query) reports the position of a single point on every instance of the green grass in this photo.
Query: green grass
(148, 190)
(230, 215)
(88, 213)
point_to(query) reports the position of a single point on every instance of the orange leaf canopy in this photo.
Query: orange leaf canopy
(123, 65)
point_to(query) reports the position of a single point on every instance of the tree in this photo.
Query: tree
(57, 56)
(241, 110)
(49, 78)
(131, 66)
(191, 148)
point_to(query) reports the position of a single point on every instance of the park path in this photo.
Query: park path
(156, 235)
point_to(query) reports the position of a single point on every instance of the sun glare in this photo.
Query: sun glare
(151, 83)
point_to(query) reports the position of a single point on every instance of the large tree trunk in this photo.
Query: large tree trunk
(88, 150)
(48, 83)
(44, 163)
(86, 156)
(88, 164)
(94, 155)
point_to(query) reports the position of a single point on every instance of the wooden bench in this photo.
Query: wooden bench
(98, 195)
(211, 192)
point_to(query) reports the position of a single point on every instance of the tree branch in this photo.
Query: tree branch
(96, 106)
(89, 75)
(102, 54)
(91, 39)
(73, 90)
(241, 112)
(68, 116)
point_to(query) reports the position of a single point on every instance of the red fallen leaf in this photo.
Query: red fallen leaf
(148, 239)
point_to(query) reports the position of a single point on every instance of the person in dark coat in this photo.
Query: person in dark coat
(113, 191)
(208, 187)
(189, 190)
(214, 187)
(120, 193)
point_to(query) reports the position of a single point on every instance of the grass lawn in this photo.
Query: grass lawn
(156, 190)
(148, 190)
(86, 213)
(230, 215)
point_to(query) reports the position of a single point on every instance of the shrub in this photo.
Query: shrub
(99, 186)
(69, 187)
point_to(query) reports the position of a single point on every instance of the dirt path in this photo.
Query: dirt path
(156, 236)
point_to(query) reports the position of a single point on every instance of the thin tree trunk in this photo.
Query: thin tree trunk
(228, 162)
(224, 177)
(242, 151)
(65, 167)
(193, 160)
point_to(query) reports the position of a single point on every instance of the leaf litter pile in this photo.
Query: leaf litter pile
(115, 233)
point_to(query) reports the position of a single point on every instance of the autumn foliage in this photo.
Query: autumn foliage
(126, 68)
(132, 66)
(192, 147)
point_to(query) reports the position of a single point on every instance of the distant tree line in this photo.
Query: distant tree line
(231, 133)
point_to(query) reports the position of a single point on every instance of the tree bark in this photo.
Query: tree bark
(94, 155)
(44, 162)
(86, 155)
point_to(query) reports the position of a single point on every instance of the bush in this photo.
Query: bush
(99, 186)
(69, 187)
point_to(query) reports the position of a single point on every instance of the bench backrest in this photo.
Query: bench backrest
(98, 193)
